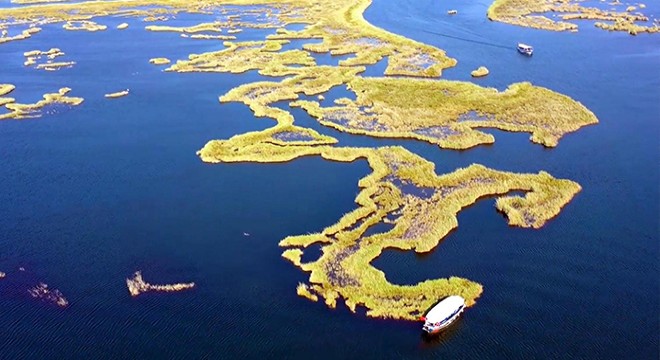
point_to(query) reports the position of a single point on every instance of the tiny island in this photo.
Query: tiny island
(136, 286)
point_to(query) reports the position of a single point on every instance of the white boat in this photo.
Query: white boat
(443, 314)
(525, 49)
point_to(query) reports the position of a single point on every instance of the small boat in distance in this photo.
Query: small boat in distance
(525, 49)
(443, 314)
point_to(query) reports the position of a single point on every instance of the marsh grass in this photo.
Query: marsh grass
(422, 109)
(479, 72)
(528, 13)
(159, 61)
(117, 94)
(86, 25)
(422, 104)
(344, 269)
(23, 111)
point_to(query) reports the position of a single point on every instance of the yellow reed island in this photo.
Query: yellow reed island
(43, 60)
(160, 61)
(117, 94)
(25, 111)
(447, 113)
(403, 189)
(480, 72)
(530, 13)
(84, 25)
(136, 286)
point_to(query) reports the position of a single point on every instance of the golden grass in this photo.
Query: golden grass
(447, 113)
(136, 286)
(403, 188)
(22, 111)
(117, 94)
(344, 270)
(245, 56)
(85, 25)
(528, 13)
(27, 33)
(160, 61)
(212, 37)
(32, 56)
(6, 89)
(25, 2)
(479, 72)
(54, 66)
(304, 291)
(628, 26)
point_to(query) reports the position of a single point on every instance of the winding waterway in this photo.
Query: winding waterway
(94, 193)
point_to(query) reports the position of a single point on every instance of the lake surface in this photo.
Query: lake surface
(94, 193)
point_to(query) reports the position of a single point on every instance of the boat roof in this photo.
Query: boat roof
(524, 46)
(445, 308)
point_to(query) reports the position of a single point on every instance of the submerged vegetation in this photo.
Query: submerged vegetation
(529, 13)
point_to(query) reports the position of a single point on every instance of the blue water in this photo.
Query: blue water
(94, 193)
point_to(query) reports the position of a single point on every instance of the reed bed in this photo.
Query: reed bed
(528, 13)
(480, 72)
(421, 104)
(85, 25)
(5, 89)
(159, 61)
(25, 34)
(422, 109)
(23, 111)
(344, 270)
(117, 94)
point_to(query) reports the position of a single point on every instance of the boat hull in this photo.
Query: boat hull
(433, 330)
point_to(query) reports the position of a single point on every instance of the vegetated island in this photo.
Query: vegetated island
(403, 190)
(529, 13)
(117, 94)
(480, 71)
(136, 286)
(33, 57)
(24, 111)
(159, 61)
